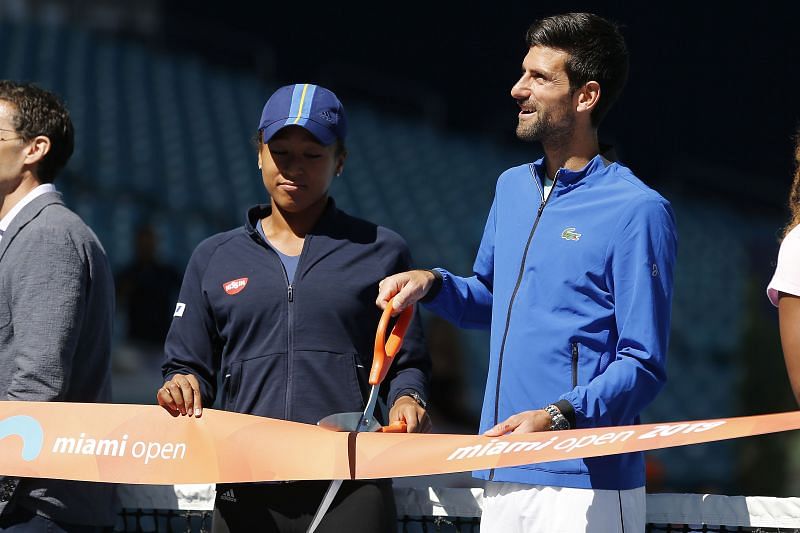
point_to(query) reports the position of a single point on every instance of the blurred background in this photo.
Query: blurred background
(166, 96)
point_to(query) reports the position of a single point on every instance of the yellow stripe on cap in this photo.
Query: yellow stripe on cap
(302, 101)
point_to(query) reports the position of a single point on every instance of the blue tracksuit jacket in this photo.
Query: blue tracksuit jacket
(298, 351)
(577, 291)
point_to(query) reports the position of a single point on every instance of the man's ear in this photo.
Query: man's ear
(38, 147)
(587, 97)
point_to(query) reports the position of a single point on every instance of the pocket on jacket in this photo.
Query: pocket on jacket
(324, 383)
(257, 386)
(575, 352)
(585, 363)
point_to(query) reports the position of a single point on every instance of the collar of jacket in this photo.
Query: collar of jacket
(568, 177)
(256, 213)
(28, 213)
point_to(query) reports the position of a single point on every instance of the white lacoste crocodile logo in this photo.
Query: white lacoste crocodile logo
(569, 234)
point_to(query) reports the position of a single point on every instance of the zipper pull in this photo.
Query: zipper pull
(291, 294)
(541, 208)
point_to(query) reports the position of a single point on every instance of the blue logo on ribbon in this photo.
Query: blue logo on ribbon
(29, 430)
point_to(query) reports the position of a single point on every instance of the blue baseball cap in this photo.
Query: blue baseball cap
(310, 106)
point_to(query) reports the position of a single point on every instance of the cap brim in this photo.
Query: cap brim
(324, 135)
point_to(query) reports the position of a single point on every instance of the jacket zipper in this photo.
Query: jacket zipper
(227, 385)
(289, 322)
(290, 325)
(574, 364)
(516, 289)
(290, 343)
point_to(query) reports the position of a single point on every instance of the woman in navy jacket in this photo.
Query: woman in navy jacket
(281, 314)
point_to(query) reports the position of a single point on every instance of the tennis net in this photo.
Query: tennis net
(188, 508)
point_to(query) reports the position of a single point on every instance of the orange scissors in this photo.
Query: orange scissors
(383, 355)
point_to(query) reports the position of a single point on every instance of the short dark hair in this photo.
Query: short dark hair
(40, 112)
(596, 51)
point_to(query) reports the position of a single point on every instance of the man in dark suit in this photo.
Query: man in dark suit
(56, 304)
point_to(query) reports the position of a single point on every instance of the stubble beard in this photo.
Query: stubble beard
(546, 130)
(532, 132)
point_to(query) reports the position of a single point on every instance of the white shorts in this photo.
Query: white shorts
(520, 508)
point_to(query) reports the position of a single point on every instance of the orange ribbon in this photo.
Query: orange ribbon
(144, 444)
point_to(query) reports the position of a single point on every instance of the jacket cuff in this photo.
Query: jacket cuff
(410, 393)
(435, 288)
(406, 381)
(567, 410)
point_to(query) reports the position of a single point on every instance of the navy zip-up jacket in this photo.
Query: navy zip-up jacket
(577, 291)
(298, 351)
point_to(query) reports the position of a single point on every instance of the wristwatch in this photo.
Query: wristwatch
(559, 422)
(417, 398)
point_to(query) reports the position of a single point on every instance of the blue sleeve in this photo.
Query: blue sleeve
(193, 345)
(467, 302)
(639, 268)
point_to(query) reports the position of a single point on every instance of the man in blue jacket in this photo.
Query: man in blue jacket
(574, 277)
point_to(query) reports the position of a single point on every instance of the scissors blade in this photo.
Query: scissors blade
(385, 350)
(347, 422)
(327, 500)
(365, 420)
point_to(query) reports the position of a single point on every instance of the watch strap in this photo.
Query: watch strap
(416, 396)
(559, 422)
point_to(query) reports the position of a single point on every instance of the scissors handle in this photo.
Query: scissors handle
(399, 426)
(384, 352)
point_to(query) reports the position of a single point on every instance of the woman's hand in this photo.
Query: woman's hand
(407, 409)
(181, 396)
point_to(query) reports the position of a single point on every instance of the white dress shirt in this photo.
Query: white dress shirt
(28, 198)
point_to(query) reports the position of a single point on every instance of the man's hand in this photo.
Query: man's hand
(181, 396)
(524, 422)
(416, 418)
(407, 288)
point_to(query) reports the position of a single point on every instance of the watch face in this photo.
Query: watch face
(562, 423)
(7, 487)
